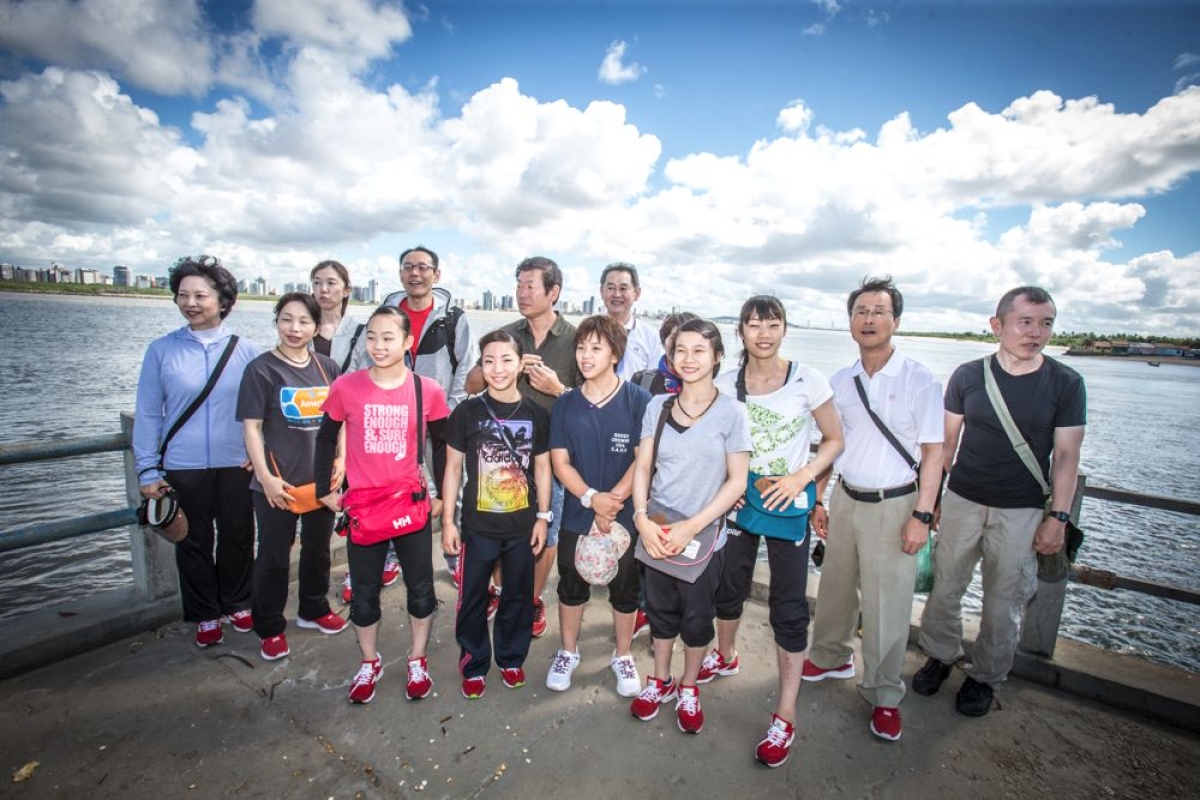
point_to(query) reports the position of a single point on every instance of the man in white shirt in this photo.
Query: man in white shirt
(881, 511)
(620, 289)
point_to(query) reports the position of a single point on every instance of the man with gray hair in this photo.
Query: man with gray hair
(995, 507)
(620, 289)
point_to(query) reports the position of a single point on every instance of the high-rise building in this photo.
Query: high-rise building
(122, 276)
(489, 300)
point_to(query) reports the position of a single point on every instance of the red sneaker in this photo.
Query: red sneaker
(814, 674)
(346, 589)
(209, 633)
(241, 620)
(539, 618)
(715, 664)
(776, 746)
(329, 624)
(885, 723)
(493, 602)
(687, 710)
(473, 688)
(274, 648)
(419, 683)
(391, 570)
(514, 677)
(641, 624)
(362, 687)
(645, 705)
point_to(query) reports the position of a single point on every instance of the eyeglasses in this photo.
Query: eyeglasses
(867, 313)
(422, 268)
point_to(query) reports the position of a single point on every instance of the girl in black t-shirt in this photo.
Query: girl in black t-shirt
(502, 441)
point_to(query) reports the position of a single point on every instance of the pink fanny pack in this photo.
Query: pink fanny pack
(378, 514)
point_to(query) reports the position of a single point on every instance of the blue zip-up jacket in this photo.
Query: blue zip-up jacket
(174, 371)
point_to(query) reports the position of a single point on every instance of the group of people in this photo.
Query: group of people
(544, 434)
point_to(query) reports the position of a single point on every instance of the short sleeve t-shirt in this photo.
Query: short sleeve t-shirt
(288, 399)
(691, 462)
(781, 423)
(416, 323)
(499, 496)
(987, 469)
(600, 443)
(381, 433)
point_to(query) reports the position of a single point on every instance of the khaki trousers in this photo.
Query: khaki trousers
(865, 570)
(1003, 539)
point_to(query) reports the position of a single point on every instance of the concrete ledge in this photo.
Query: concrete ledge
(52, 634)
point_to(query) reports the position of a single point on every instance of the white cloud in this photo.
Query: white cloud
(613, 70)
(830, 7)
(795, 117)
(877, 18)
(1185, 60)
(359, 30)
(816, 29)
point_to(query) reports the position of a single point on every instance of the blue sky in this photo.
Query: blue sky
(785, 147)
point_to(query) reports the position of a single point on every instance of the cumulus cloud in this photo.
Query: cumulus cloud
(795, 117)
(359, 30)
(614, 70)
(830, 7)
(816, 29)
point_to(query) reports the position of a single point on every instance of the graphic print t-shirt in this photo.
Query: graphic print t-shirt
(499, 498)
(380, 426)
(289, 400)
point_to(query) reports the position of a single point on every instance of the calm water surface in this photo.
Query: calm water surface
(70, 366)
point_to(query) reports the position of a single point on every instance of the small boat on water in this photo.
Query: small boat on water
(1154, 363)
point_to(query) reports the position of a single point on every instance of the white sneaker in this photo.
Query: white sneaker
(559, 677)
(628, 682)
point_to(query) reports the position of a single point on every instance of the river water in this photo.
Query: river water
(70, 366)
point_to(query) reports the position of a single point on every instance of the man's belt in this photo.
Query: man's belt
(878, 495)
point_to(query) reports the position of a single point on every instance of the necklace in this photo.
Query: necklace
(604, 399)
(679, 405)
(300, 363)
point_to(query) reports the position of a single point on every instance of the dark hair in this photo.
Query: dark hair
(606, 329)
(763, 306)
(671, 322)
(710, 332)
(870, 285)
(503, 336)
(392, 311)
(551, 274)
(1034, 294)
(209, 268)
(307, 300)
(621, 266)
(342, 273)
(422, 249)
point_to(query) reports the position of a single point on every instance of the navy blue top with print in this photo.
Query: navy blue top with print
(600, 442)
(499, 498)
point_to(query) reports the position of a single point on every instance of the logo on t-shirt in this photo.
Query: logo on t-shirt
(385, 429)
(503, 485)
(302, 404)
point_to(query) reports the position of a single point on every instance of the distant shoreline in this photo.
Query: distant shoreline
(140, 294)
(1183, 362)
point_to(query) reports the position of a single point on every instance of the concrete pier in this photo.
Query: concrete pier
(152, 717)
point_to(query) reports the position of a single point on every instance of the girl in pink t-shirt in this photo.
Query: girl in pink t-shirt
(388, 499)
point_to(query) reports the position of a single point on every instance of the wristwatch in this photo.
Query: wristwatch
(924, 517)
(585, 499)
(546, 515)
(1062, 516)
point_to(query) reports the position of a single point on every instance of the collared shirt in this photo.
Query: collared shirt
(557, 352)
(642, 348)
(908, 399)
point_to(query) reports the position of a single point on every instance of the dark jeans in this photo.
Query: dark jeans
(513, 626)
(276, 534)
(787, 600)
(415, 552)
(214, 562)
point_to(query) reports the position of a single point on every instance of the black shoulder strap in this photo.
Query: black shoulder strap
(645, 378)
(887, 434)
(420, 418)
(658, 432)
(199, 401)
(741, 380)
(452, 315)
(353, 341)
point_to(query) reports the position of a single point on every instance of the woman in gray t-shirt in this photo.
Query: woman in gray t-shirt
(697, 474)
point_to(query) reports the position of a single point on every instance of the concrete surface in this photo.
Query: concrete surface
(152, 717)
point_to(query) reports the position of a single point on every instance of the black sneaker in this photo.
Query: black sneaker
(929, 678)
(974, 698)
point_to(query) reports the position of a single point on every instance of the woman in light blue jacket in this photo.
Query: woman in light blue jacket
(205, 461)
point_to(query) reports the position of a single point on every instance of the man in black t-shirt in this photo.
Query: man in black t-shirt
(994, 508)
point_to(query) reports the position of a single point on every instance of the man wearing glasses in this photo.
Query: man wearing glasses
(620, 289)
(880, 513)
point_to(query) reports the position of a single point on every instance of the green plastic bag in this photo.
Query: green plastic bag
(924, 582)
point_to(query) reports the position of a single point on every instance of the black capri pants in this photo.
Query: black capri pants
(787, 600)
(415, 552)
(678, 608)
(575, 591)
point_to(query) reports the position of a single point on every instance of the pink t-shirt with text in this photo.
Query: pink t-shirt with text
(380, 426)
